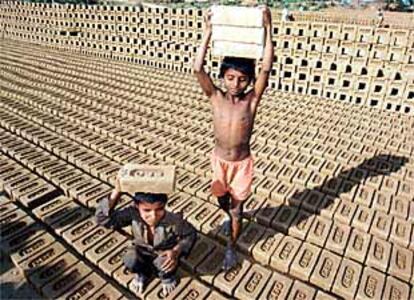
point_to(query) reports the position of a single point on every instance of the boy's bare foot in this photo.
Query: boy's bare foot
(230, 259)
(138, 283)
(168, 285)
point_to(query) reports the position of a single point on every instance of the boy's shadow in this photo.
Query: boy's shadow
(379, 165)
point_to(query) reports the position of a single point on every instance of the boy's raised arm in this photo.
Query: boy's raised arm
(262, 79)
(203, 78)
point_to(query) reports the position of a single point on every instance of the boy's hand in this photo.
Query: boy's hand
(117, 185)
(267, 16)
(207, 20)
(171, 260)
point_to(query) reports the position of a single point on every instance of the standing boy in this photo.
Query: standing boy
(160, 237)
(234, 111)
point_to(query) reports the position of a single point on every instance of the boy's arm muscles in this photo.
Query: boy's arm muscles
(203, 78)
(206, 83)
(107, 217)
(263, 78)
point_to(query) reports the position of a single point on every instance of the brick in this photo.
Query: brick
(52, 270)
(66, 221)
(6, 207)
(249, 35)
(329, 206)
(400, 207)
(347, 279)
(201, 249)
(372, 284)
(105, 247)
(66, 280)
(396, 289)
(194, 290)
(59, 179)
(267, 212)
(106, 292)
(227, 281)
(123, 276)
(381, 202)
(91, 238)
(365, 196)
(156, 293)
(319, 231)
(74, 182)
(14, 225)
(20, 236)
(301, 290)
(39, 196)
(305, 261)
(357, 248)
(253, 283)
(83, 187)
(10, 219)
(284, 254)
(252, 205)
(32, 248)
(312, 201)
(214, 225)
(325, 270)
(400, 232)
(338, 238)
(79, 230)
(282, 192)
(211, 265)
(249, 237)
(324, 296)
(187, 208)
(381, 225)
(20, 182)
(199, 216)
(345, 212)
(149, 178)
(59, 213)
(42, 258)
(363, 218)
(9, 174)
(50, 206)
(301, 224)
(113, 261)
(265, 187)
(277, 287)
(284, 218)
(401, 263)
(85, 288)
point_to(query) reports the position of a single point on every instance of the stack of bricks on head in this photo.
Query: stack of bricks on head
(237, 31)
(136, 178)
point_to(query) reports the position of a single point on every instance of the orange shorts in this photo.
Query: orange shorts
(233, 177)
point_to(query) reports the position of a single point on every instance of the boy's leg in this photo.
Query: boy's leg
(225, 204)
(137, 263)
(230, 257)
(168, 280)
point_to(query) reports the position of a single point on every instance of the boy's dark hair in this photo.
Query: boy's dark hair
(244, 65)
(150, 198)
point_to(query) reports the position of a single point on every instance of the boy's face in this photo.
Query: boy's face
(235, 82)
(151, 213)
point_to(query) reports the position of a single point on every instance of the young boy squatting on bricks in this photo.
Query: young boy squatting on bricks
(160, 237)
(234, 111)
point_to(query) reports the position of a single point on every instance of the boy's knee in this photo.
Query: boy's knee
(130, 260)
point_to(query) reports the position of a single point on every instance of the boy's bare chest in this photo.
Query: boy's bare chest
(239, 112)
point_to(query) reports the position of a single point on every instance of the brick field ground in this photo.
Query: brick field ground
(331, 215)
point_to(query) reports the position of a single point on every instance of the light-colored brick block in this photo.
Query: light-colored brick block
(146, 178)
(250, 35)
(231, 15)
(224, 48)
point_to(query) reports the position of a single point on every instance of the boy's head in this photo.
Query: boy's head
(237, 73)
(151, 207)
